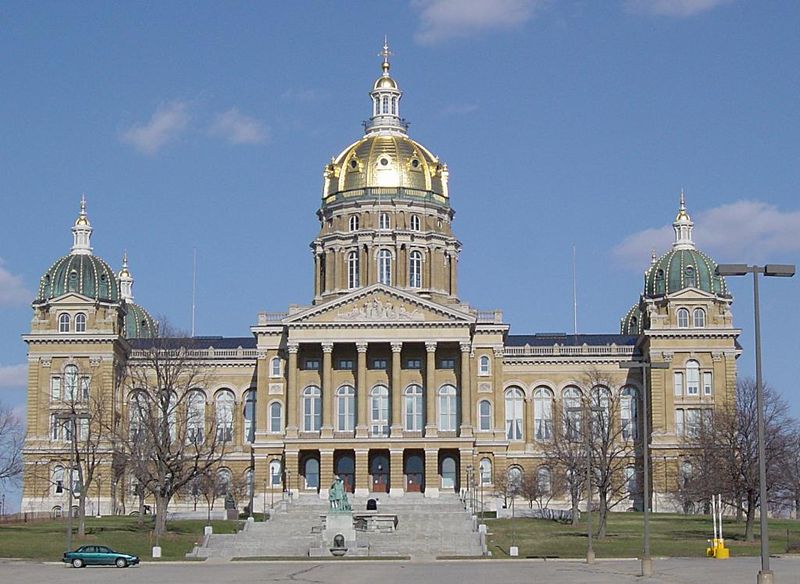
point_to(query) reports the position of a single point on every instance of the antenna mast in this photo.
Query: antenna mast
(574, 293)
(194, 285)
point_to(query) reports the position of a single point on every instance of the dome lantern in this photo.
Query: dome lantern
(386, 97)
(683, 227)
(82, 232)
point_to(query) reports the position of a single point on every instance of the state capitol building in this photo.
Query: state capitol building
(386, 377)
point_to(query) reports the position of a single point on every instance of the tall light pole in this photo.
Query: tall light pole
(584, 411)
(765, 576)
(647, 561)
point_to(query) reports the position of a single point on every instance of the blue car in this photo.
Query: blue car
(98, 555)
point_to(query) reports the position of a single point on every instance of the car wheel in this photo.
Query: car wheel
(121, 563)
(77, 563)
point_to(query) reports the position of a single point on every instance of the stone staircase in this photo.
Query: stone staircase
(426, 528)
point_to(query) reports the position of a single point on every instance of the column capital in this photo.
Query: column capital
(362, 347)
(430, 346)
(293, 348)
(327, 347)
(397, 347)
(465, 346)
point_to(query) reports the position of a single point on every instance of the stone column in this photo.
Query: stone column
(330, 270)
(430, 389)
(362, 483)
(430, 272)
(499, 397)
(317, 274)
(397, 483)
(431, 472)
(328, 397)
(291, 471)
(362, 392)
(291, 392)
(238, 424)
(325, 472)
(528, 423)
(466, 460)
(453, 278)
(261, 391)
(466, 391)
(397, 393)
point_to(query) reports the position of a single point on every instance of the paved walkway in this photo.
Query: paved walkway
(673, 571)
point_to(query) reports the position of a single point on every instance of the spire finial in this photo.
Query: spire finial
(82, 231)
(683, 226)
(653, 256)
(125, 279)
(83, 203)
(683, 200)
(385, 53)
(125, 259)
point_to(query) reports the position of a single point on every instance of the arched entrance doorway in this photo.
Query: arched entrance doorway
(414, 469)
(448, 470)
(379, 471)
(344, 465)
(309, 467)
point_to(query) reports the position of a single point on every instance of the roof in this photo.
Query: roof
(550, 339)
(198, 342)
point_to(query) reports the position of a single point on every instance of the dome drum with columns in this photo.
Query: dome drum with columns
(386, 377)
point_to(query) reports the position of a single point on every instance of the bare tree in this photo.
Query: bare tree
(790, 475)
(540, 486)
(169, 439)
(568, 452)
(12, 435)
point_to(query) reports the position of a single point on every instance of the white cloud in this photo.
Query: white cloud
(238, 128)
(13, 376)
(743, 231)
(12, 290)
(672, 7)
(460, 109)
(165, 125)
(441, 20)
(301, 95)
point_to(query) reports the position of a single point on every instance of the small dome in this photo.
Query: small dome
(81, 273)
(138, 323)
(389, 161)
(385, 82)
(683, 268)
(632, 322)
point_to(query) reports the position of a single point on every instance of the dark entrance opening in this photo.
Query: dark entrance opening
(379, 471)
(448, 470)
(344, 465)
(309, 471)
(414, 469)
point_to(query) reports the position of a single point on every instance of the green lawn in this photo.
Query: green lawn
(45, 540)
(670, 535)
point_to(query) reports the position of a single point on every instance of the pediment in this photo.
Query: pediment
(691, 294)
(380, 304)
(71, 298)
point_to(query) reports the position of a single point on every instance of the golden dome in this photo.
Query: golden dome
(82, 220)
(385, 82)
(385, 160)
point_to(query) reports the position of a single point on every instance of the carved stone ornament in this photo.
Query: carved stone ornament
(46, 361)
(377, 310)
(95, 361)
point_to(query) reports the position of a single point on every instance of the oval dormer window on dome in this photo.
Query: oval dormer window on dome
(690, 279)
(73, 281)
(660, 282)
(384, 162)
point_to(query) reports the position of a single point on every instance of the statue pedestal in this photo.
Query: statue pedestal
(339, 523)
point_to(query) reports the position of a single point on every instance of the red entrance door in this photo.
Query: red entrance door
(379, 470)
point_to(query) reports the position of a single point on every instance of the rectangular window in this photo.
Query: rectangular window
(707, 383)
(55, 388)
(447, 363)
(678, 383)
(83, 428)
(679, 419)
(413, 363)
(311, 364)
(84, 388)
(275, 369)
(344, 364)
(380, 364)
(693, 423)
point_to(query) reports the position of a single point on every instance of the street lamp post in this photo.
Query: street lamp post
(765, 576)
(647, 561)
(584, 411)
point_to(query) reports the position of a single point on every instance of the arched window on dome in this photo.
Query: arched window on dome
(80, 323)
(415, 223)
(385, 104)
(683, 318)
(353, 276)
(690, 281)
(63, 323)
(660, 282)
(634, 325)
(394, 106)
(72, 285)
(699, 318)
(415, 270)
(353, 222)
(383, 221)
(385, 267)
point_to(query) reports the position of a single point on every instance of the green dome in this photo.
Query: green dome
(138, 323)
(683, 268)
(632, 322)
(81, 273)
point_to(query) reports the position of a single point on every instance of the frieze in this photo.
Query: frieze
(377, 310)
(275, 389)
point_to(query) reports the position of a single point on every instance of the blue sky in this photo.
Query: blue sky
(564, 122)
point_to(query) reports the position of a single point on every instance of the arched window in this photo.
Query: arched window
(275, 417)
(630, 480)
(683, 318)
(571, 400)
(312, 409)
(634, 326)
(383, 221)
(686, 473)
(448, 408)
(415, 270)
(394, 106)
(544, 480)
(353, 276)
(224, 480)
(628, 412)
(58, 480)
(63, 323)
(484, 415)
(677, 383)
(601, 410)
(80, 323)
(699, 318)
(385, 104)
(484, 366)
(413, 408)
(514, 403)
(353, 222)
(543, 413)
(692, 377)
(660, 282)
(379, 411)
(196, 417)
(690, 280)
(71, 383)
(137, 412)
(275, 367)
(223, 409)
(514, 474)
(385, 267)
(250, 415)
(415, 223)
(345, 408)
(311, 470)
(275, 473)
(486, 471)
